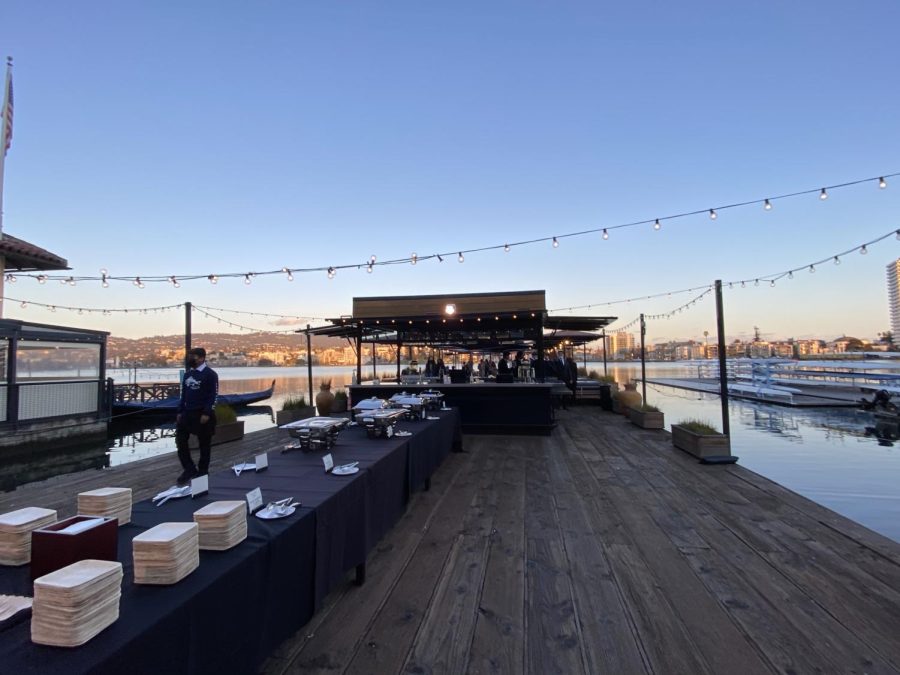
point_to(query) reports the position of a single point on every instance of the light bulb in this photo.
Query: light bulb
(823, 195)
(712, 214)
(11, 278)
(790, 275)
(812, 269)
(213, 279)
(605, 234)
(369, 268)
(461, 258)
(768, 205)
(882, 183)
(43, 279)
(837, 261)
(71, 281)
(555, 243)
(863, 250)
(105, 284)
(413, 258)
(247, 279)
(23, 305)
(506, 248)
(657, 224)
(772, 283)
(290, 276)
(743, 284)
(372, 259)
(176, 284)
(104, 272)
(756, 283)
(331, 272)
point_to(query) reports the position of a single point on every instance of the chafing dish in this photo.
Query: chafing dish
(315, 433)
(433, 399)
(380, 423)
(412, 404)
(366, 405)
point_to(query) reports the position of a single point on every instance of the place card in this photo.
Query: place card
(254, 500)
(328, 461)
(262, 462)
(199, 486)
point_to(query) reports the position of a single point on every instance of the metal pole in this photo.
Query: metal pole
(584, 356)
(309, 364)
(603, 333)
(643, 360)
(723, 371)
(399, 349)
(374, 358)
(187, 330)
(359, 355)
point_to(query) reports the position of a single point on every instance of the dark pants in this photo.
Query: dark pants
(188, 425)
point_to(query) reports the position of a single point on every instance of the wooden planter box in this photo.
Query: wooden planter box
(700, 445)
(224, 434)
(283, 417)
(646, 419)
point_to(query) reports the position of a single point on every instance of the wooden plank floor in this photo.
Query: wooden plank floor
(601, 549)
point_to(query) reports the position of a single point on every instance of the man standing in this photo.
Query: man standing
(196, 414)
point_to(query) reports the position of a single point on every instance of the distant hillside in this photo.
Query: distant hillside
(225, 342)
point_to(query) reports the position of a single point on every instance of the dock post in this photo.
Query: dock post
(643, 360)
(723, 367)
(309, 365)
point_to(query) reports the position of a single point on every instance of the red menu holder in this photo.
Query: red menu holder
(52, 549)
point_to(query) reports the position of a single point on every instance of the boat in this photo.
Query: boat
(169, 404)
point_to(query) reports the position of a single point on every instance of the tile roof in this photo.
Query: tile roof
(23, 256)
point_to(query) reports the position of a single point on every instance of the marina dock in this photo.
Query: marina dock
(807, 396)
(597, 549)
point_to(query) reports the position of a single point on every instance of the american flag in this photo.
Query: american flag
(8, 115)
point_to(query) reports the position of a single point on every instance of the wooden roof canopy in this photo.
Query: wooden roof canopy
(462, 320)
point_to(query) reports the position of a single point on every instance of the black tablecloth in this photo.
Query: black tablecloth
(229, 614)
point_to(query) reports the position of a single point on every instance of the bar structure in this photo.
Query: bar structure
(471, 323)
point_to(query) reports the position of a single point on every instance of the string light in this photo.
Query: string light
(768, 205)
(287, 271)
(369, 268)
(461, 257)
(42, 278)
(812, 269)
(604, 231)
(506, 248)
(863, 250)
(247, 279)
(791, 275)
(837, 261)
(823, 195)
(555, 243)
(331, 273)
(174, 282)
(657, 225)
(413, 259)
(772, 283)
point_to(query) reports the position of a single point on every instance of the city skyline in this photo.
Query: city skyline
(305, 136)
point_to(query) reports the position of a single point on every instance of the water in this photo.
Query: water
(822, 454)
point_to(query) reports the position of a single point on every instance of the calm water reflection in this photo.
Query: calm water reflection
(823, 454)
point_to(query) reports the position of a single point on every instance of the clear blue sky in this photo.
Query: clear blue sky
(177, 138)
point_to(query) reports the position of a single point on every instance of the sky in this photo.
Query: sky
(212, 137)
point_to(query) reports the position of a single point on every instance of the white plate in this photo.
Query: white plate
(402, 434)
(272, 514)
(345, 470)
(432, 417)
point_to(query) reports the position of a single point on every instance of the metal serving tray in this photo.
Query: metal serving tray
(380, 423)
(316, 433)
(433, 399)
(412, 404)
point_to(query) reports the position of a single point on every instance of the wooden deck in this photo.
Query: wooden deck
(599, 549)
(602, 550)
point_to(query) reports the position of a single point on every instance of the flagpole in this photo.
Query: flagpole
(3, 132)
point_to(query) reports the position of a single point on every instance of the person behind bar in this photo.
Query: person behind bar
(196, 414)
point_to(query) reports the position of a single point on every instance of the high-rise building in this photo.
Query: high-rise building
(893, 284)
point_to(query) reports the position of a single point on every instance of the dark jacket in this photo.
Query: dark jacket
(199, 390)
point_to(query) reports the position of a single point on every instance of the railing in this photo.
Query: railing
(157, 391)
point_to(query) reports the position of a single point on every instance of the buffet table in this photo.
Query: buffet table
(485, 407)
(240, 604)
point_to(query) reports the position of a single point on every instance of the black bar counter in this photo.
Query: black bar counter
(484, 407)
(239, 605)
